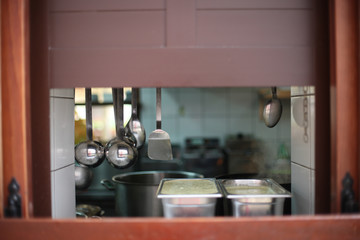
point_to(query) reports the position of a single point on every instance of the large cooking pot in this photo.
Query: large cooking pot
(135, 192)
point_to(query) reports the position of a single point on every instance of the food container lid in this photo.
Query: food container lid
(188, 188)
(252, 188)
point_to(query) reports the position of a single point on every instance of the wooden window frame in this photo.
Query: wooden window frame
(25, 128)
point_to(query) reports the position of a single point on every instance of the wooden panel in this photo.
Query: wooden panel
(107, 29)
(322, 108)
(180, 23)
(333, 109)
(329, 227)
(15, 93)
(345, 34)
(358, 87)
(1, 143)
(103, 5)
(181, 67)
(40, 108)
(254, 28)
(262, 4)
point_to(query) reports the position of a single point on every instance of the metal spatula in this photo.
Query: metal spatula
(159, 145)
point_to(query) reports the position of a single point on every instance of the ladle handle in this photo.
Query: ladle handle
(115, 104)
(88, 106)
(274, 92)
(108, 184)
(158, 108)
(134, 98)
(120, 112)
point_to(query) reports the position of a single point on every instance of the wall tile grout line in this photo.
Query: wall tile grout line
(63, 167)
(300, 165)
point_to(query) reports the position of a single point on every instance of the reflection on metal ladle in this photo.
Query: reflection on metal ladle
(272, 110)
(120, 152)
(89, 153)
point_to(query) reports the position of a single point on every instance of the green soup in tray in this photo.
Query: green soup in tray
(189, 187)
(250, 190)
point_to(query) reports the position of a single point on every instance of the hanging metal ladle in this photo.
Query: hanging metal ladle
(89, 153)
(120, 152)
(134, 125)
(128, 136)
(272, 110)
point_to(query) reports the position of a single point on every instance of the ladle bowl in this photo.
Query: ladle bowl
(89, 153)
(272, 110)
(120, 154)
(83, 177)
(111, 155)
(138, 131)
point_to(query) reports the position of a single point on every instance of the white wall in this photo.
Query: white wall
(217, 112)
(62, 153)
(302, 151)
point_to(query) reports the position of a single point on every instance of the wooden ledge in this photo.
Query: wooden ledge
(299, 227)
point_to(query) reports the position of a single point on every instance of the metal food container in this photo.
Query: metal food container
(254, 197)
(135, 192)
(189, 197)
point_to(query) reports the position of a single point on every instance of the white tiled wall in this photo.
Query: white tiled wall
(302, 152)
(215, 112)
(300, 188)
(63, 192)
(62, 143)
(62, 153)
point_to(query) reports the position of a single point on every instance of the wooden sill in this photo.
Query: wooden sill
(292, 227)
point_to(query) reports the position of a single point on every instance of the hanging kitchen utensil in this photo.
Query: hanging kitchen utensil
(109, 143)
(159, 145)
(83, 177)
(89, 153)
(134, 125)
(272, 110)
(119, 153)
(129, 137)
(114, 97)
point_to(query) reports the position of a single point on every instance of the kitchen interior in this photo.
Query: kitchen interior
(182, 44)
(216, 64)
(215, 132)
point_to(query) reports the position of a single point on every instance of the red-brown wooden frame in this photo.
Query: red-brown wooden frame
(16, 126)
(15, 93)
(316, 228)
(344, 55)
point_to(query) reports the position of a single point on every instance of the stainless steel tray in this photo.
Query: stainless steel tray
(254, 197)
(189, 188)
(252, 188)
